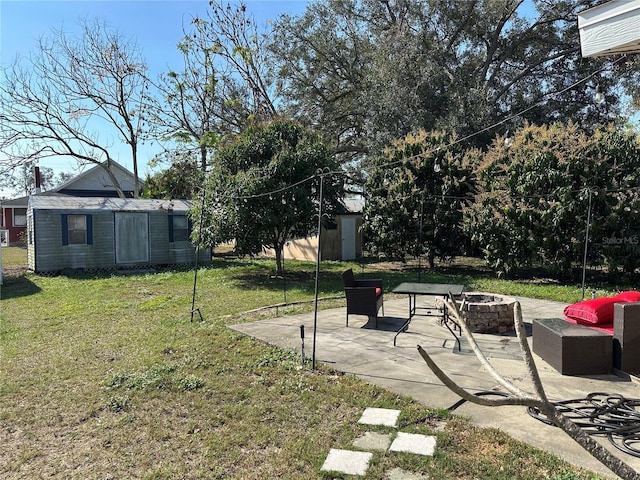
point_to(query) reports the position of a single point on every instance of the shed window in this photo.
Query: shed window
(178, 228)
(19, 217)
(77, 230)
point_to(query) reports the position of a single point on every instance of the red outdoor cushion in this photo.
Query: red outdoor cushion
(598, 311)
(629, 296)
(592, 312)
(378, 291)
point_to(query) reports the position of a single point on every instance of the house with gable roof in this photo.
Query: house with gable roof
(93, 182)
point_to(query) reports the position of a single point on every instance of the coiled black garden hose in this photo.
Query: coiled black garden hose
(598, 414)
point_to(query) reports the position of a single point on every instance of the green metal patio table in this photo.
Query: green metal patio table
(433, 290)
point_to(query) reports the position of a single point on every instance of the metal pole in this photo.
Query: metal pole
(284, 275)
(302, 338)
(195, 268)
(586, 246)
(420, 238)
(315, 314)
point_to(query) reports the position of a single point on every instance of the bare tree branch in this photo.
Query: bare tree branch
(70, 93)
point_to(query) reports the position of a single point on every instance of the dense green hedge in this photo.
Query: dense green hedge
(519, 205)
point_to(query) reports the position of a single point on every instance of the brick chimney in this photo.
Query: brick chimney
(36, 177)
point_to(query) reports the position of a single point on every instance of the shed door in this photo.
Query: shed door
(132, 237)
(348, 228)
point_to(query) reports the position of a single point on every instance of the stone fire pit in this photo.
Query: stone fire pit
(488, 312)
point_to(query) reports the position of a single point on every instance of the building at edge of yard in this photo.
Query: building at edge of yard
(13, 220)
(341, 237)
(88, 233)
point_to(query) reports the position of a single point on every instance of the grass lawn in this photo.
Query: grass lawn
(105, 376)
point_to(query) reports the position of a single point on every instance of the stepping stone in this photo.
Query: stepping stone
(346, 461)
(373, 441)
(380, 416)
(414, 443)
(400, 474)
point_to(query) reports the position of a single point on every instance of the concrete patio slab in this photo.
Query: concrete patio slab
(414, 443)
(380, 416)
(347, 461)
(368, 353)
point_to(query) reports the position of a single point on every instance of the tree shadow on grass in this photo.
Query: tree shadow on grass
(16, 287)
(299, 280)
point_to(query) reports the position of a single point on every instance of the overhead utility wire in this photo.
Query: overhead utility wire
(536, 195)
(289, 187)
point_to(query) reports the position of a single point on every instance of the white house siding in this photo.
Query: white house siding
(306, 248)
(610, 28)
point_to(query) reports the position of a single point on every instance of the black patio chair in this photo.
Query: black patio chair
(364, 297)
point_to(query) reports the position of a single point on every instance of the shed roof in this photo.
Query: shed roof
(15, 202)
(101, 204)
(354, 204)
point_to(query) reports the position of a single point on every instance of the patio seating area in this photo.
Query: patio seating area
(369, 353)
(600, 335)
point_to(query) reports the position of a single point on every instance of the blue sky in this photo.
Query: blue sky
(156, 26)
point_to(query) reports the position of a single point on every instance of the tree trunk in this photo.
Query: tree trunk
(136, 180)
(112, 177)
(279, 256)
(203, 158)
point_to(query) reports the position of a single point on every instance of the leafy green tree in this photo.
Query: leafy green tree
(182, 179)
(264, 189)
(533, 199)
(614, 156)
(414, 198)
(324, 59)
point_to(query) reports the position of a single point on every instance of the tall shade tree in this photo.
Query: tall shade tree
(364, 72)
(264, 189)
(414, 198)
(188, 108)
(236, 48)
(72, 93)
(324, 57)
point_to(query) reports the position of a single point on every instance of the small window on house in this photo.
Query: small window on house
(178, 228)
(77, 229)
(331, 225)
(19, 217)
